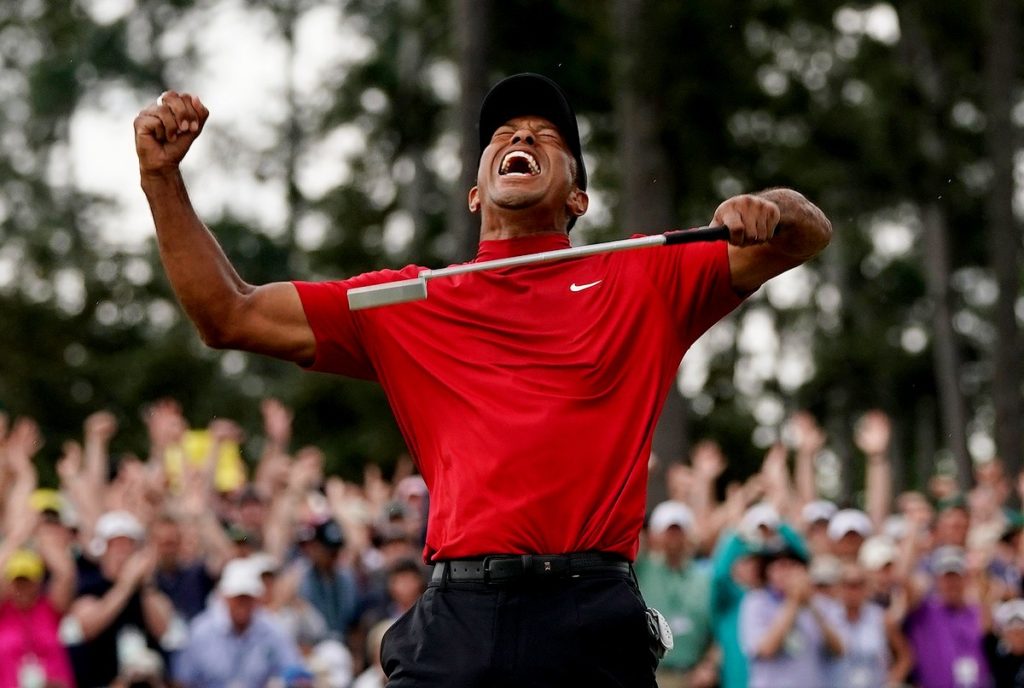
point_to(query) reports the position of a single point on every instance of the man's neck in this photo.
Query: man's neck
(520, 223)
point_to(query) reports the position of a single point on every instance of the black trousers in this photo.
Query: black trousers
(589, 631)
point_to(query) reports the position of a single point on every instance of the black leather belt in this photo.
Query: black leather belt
(504, 568)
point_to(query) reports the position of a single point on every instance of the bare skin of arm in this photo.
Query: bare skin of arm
(770, 232)
(227, 311)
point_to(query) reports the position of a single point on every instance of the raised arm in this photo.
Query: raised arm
(771, 232)
(227, 311)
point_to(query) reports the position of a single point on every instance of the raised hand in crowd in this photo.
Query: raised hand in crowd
(808, 439)
(99, 429)
(53, 546)
(22, 443)
(165, 425)
(351, 510)
(775, 474)
(708, 463)
(86, 500)
(272, 469)
(873, 435)
(378, 491)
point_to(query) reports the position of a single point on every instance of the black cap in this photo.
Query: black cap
(532, 94)
(326, 532)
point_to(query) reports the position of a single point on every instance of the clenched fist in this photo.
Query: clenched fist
(750, 219)
(165, 130)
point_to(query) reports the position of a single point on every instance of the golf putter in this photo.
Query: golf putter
(415, 289)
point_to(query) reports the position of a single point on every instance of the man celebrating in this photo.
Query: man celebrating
(527, 395)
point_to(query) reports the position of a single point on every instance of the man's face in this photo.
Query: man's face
(166, 539)
(848, 545)
(116, 554)
(241, 609)
(951, 527)
(781, 571)
(951, 588)
(527, 165)
(853, 586)
(673, 541)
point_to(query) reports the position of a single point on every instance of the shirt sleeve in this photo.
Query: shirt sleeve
(340, 344)
(695, 282)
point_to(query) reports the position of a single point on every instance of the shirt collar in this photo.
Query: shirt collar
(493, 249)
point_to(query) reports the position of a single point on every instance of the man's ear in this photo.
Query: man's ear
(577, 203)
(474, 200)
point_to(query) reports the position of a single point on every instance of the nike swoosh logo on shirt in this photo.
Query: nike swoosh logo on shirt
(580, 287)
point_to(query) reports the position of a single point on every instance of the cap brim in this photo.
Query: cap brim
(532, 94)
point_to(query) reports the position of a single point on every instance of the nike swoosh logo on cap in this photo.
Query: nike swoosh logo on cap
(580, 287)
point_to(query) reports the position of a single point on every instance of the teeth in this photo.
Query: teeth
(506, 163)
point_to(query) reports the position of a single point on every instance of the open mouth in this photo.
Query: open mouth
(519, 164)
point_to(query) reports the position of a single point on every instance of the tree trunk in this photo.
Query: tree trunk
(1004, 237)
(472, 31)
(944, 347)
(646, 199)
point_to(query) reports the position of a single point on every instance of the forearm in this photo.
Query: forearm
(804, 476)
(61, 588)
(215, 544)
(93, 615)
(775, 636)
(878, 487)
(96, 457)
(200, 273)
(157, 611)
(18, 499)
(833, 643)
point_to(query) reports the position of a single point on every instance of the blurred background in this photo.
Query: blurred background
(343, 138)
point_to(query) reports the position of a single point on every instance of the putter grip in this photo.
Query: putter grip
(687, 236)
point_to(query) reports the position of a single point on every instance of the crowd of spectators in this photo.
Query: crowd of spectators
(192, 567)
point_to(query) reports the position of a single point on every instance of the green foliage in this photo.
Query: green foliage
(753, 93)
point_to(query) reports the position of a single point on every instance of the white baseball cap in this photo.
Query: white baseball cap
(820, 510)
(671, 513)
(240, 577)
(1009, 613)
(114, 524)
(876, 552)
(849, 521)
(761, 514)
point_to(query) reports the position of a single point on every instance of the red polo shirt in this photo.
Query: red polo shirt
(528, 396)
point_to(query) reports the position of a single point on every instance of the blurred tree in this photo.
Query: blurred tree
(898, 121)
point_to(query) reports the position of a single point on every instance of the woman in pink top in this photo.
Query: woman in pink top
(30, 612)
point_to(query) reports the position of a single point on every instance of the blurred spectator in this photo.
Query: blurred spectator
(784, 631)
(30, 609)
(874, 653)
(1004, 644)
(116, 594)
(327, 582)
(233, 644)
(815, 517)
(944, 628)
(878, 559)
(1005, 563)
(735, 570)
(186, 583)
(952, 523)
(675, 585)
(847, 529)
(824, 572)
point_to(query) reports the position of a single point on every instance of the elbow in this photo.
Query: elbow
(221, 329)
(214, 336)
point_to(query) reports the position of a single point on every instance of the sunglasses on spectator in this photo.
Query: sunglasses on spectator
(854, 582)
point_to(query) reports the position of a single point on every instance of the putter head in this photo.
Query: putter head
(387, 294)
